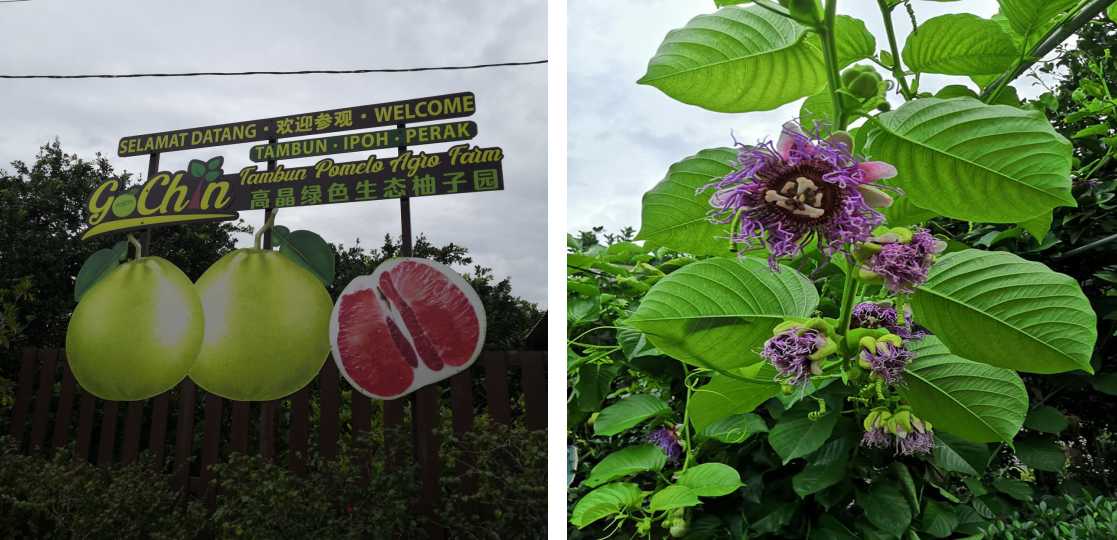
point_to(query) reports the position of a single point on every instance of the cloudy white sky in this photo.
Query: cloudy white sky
(504, 230)
(624, 136)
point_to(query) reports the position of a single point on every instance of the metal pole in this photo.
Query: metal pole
(404, 206)
(268, 213)
(152, 170)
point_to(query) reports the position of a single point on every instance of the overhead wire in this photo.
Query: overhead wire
(274, 72)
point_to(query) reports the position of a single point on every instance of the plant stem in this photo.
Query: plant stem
(830, 55)
(137, 245)
(897, 69)
(268, 224)
(1052, 39)
(847, 298)
(686, 418)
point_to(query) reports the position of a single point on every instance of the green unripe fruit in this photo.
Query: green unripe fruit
(136, 332)
(862, 81)
(267, 326)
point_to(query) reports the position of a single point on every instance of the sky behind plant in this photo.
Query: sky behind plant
(504, 230)
(624, 136)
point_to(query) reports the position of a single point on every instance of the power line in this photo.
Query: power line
(299, 72)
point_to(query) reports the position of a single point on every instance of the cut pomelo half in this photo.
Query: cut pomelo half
(412, 322)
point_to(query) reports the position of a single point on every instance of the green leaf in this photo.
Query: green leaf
(1111, 12)
(1017, 489)
(310, 251)
(711, 479)
(735, 429)
(795, 435)
(197, 168)
(626, 462)
(629, 412)
(956, 455)
(1047, 419)
(907, 484)
(831, 528)
(737, 60)
(97, 266)
(959, 44)
(212, 175)
(1041, 453)
(826, 468)
(605, 501)
(673, 216)
(998, 308)
(716, 312)
(885, 508)
(1105, 383)
(975, 401)
(634, 345)
(775, 518)
(593, 385)
(215, 163)
(674, 496)
(726, 396)
(939, 520)
(1091, 131)
(818, 108)
(1033, 17)
(1038, 226)
(975, 162)
(904, 213)
(279, 235)
(853, 41)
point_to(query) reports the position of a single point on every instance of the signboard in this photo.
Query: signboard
(369, 140)
(204, 192)
(361, 117)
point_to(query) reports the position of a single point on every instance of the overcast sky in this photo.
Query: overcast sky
(503, 230)
(624, 136)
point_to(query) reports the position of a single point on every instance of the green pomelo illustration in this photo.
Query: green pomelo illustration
(136, 332)
(266, 326)
(124, 205)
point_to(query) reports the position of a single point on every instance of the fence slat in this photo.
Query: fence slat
(43, 397)
(132, 422)
(329, 401)
(211, 443)
(425, 415)
(65, 407)
(184, 434)
(533, 377)
(267, 429)
(157, 437)
(461, 403)
(297, 435)
(496, 386)
(23, 395)
(85, 425)
(108, 433)
(239, 436)
(362, 412)
(392, 413)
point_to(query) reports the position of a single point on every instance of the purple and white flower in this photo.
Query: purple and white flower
(873, 315)
(790, 353)
(904, 265)
(668, 441)
(802, 188)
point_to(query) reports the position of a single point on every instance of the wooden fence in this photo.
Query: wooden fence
(46, 395)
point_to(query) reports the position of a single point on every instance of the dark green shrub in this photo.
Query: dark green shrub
(1066, 518)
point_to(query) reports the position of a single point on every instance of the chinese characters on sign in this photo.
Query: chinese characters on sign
(365, 116)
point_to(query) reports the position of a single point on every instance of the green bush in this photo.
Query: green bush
(1066, 518)
(60, 497)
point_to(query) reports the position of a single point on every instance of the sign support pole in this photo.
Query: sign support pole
(152, 170)
(404, 207)
(270, 212)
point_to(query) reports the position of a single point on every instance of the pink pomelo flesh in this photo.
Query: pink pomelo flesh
(362, 334)
(411, 323)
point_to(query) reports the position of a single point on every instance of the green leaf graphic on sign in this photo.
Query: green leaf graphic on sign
(97, 266)
(311, 252)
(997, 308)
(625, 462)
(628, 413)
(975, 162)
(197, 168)
(737, 60)
(674, 214)
(975, 401)
(959, 44)
(279, 235)
(716, 312)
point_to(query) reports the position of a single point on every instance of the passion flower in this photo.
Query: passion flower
(902, 430)
(801, 188)
(902, 258)
(797, 349)
(886, 357)
(873, 315)
(668, 441)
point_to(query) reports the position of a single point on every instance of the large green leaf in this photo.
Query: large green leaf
(673, 216)
(711, 479)
(735, 429)
(605, 501)
(939, 520)
(853, 41)
(956, 455)
(718, 312)
(826, 468)
(1041, 453)
(976, 162)
(628, 413)
(673, 496)
(997, 308)
(725, 396)
(975, 401)
(1033, 17)
(1047, 419)
(960, 44)
(625, 462)
(737, 60)
(796, 434)
(885, 507)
